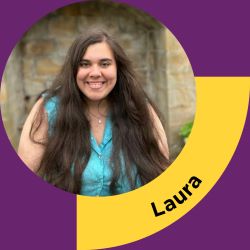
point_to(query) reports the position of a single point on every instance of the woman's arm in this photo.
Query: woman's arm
(30, 152)
(159, 132)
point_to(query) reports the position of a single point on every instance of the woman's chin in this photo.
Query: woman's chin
(95, 98)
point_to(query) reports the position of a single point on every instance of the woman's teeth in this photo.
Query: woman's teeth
(95, 85)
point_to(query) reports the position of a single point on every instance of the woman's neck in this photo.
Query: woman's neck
(99, 108)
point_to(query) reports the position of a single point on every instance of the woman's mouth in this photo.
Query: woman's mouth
(95, 84)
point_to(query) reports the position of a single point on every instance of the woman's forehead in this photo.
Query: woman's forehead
(98, 51)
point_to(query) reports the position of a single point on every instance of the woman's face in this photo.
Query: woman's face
(97, 72)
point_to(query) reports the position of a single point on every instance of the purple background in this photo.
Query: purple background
(216, 38)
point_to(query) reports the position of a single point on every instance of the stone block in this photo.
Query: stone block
(137, 58)
(47, 66)
(28, 65)
(38, 29)
(185, 80)
(178, 62)
(179, 116)
(64, 44)
(92, 8)
(38, 47)
(3, 94)
(62, 25)
(172, 43)
(71, 10)
(82, 24)
(180, 97)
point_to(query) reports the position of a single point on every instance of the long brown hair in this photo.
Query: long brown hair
(133, 132)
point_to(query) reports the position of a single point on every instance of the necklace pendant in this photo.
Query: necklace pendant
(99, 121)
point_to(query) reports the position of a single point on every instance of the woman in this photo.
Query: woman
(95, 132)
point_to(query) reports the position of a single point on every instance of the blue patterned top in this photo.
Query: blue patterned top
(97, 175)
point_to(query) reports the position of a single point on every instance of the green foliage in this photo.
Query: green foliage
(186, 129)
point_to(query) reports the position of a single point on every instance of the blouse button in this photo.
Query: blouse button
(100, 156)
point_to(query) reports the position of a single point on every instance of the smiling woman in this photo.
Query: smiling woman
(95, 132)
(97, 74)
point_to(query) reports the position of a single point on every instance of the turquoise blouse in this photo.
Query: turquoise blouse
(96, 177)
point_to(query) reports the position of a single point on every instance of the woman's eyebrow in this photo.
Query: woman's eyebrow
(101, 60)
(106, 59)
(85, 60)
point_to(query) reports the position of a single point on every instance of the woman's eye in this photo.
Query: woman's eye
(105, 64)
(84, 64)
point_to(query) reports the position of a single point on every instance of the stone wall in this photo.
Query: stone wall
(12, 100)
(181, 91)
(155, 53)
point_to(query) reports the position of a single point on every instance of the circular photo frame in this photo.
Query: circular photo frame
(160, 59)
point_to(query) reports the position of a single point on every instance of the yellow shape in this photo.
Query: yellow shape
(222, 104)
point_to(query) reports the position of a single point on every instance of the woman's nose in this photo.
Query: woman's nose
(95, 71)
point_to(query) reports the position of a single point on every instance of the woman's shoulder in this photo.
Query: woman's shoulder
(50, 103)
(50, 106)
